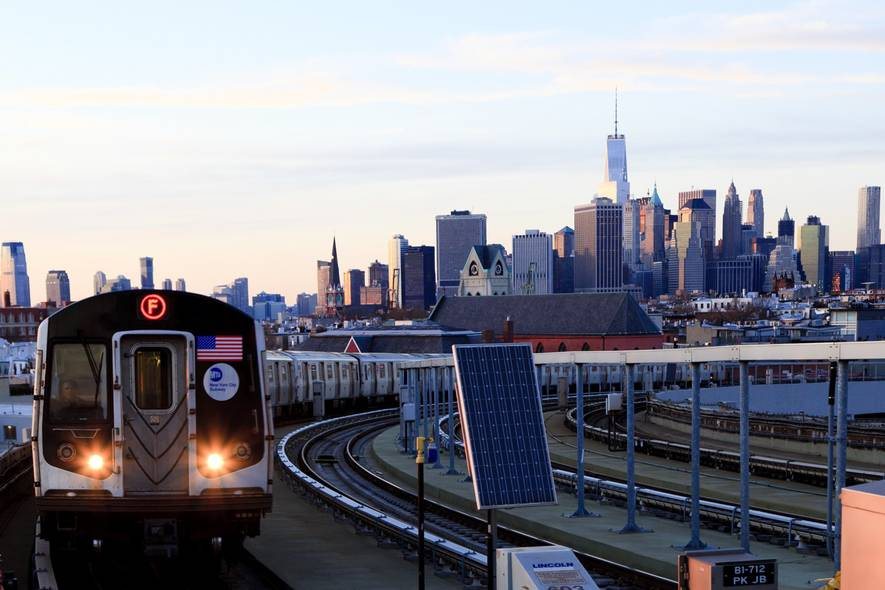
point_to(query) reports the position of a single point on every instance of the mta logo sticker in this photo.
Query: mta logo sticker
(221, 382)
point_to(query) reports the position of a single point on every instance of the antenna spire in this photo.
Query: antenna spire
(616, 112)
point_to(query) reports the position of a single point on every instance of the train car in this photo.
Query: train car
(150, 422)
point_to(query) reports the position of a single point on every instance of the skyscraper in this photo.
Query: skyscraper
(354, 280)
(379, 275)
(698, 211)
(456, 233)
(652, 245)
(15, 287)
(786, 230)
(58, 288)
(756, 211)
(731, 224)
(167, 284)
(395, 249)
(564, 242)
(147, 272)
(599, 246)
(306, 304)
(868, 233)
(631, 234)
(322, 286)
(98, 282)
(240, 294)
(813, 252)
(532, 263)
(418, 277)
(180, 285)
(686, 264)
(615, 184)
(708, 232)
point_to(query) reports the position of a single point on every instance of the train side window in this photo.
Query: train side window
(344, 371)
(329, 371)
(381, 371)
(153, 378)
(313, 372)
(9, 432)
(78, 385)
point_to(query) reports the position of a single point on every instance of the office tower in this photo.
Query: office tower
(354, 280)
(58, 288)
(564, 242)
(15, 287)
(267, 307)
(167, 284)
(756, 211)
(731, 224)
(708, 232)
(334, 292)
(563, 274)
(868, 233)
(764, 245)
(698, 211)
(781, 267)
(379, 275)
(532, 263)
(813, 250)
(223, 293)
(323, 268)
(786, 230)
(615, 184)
(180, 285)
(841, 270)
(652, 244)
(599, 246)
(735, 276)
(240, 294)
(98, 282)
(306, 304)
(456, 233)
(631, 234)
(395, 249)
(147, 272)
(418, 277)
(120, 283)
(748, 235)
(686, 259)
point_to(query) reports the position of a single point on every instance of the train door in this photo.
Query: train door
(153, 379)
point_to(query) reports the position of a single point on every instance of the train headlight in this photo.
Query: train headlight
(214, 461)
(66, 452)
(95, 462)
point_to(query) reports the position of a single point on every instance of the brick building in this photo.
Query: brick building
(556, 322)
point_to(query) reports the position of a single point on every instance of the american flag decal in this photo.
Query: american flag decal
(219, 348)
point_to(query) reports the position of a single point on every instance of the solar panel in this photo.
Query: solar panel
(503, 426)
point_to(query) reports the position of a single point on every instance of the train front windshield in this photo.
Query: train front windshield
(77, 388)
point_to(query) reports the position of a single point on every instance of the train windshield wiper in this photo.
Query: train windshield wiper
(95, 368)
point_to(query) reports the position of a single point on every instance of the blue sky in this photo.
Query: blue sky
(234, 138)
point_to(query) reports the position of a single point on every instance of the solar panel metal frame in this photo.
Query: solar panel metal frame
(544, 450)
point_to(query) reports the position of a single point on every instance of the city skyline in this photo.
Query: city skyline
(504, 113)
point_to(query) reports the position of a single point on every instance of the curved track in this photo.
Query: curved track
(328, 460)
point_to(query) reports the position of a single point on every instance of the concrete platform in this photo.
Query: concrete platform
(769, 494)
(652, 552)
(308, 549)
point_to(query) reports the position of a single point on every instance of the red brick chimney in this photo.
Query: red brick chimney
(488, 336)
(508, 330)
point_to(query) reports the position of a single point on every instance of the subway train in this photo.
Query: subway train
(150, 423)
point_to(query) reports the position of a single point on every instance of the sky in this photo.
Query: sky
(232, 139)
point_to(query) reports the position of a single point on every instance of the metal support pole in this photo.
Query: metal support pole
(436, 404)
(420, 461)
(745, 456)
(695, 542)
(842, 456)
(631, 526)
(491, 543)
(831, 405)
(425, 403)
(581, 510)
(450, 381)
